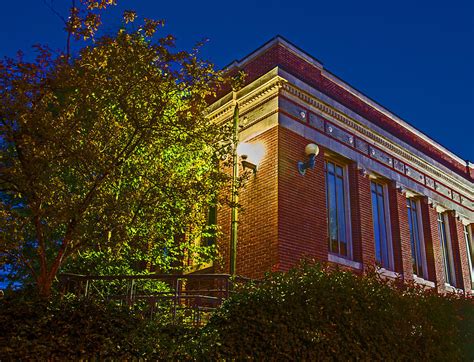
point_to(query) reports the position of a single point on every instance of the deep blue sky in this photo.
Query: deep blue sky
(416, 58)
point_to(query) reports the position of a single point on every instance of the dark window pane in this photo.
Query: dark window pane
(445, 249)
(341, 215)
(335, 200)
(417, 242)
(330, 167)
(470, 252)
(375, 215)
(332, 210)
(383, 231)
(382, 252)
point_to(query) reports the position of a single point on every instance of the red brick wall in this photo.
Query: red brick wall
(400, 232)
(361, 217)
(429, 218)
(302, 220)
(458, 243)
(258, 224)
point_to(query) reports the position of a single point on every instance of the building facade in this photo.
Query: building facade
(380, 193)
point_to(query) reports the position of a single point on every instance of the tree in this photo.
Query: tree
(108, 150)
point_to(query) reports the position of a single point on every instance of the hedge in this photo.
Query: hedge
(309, 313)
(312, 313)
(78, 329)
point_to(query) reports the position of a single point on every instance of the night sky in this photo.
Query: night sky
(416, 58)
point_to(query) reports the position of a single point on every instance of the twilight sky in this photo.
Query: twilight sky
(414, 57)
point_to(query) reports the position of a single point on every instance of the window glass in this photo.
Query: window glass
(336, 205)
(470, 252)
(382, 247)
(446, 251)
(415, 238)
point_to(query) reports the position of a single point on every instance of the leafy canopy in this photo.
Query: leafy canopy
(108, 154)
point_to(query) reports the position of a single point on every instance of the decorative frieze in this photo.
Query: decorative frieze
(456, 196)
(406, 156)
(339, 134)
(442, 189)
(380, 156)
(357, 136)
(361, 145)
(414, 174)
(429, 182)
(398, 165)
(466, 202)
(293, 109)
(316, 121)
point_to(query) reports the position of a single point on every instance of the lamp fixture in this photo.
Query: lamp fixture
(311, 150)
(251, 154)
(248, 164)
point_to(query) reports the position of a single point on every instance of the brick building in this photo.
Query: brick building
(381, 192)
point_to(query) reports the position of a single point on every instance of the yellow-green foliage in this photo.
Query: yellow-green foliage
(108, 151)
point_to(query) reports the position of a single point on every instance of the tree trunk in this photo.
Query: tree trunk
(44, 284)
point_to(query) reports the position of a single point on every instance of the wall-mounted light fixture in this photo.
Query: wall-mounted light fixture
(311, 150)
(251, 154)
(248, 164)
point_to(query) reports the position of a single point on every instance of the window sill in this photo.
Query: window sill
(346, 262)
(449, 288)
(421, 281)
(388, 273)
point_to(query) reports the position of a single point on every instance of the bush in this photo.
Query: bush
(74, 328)
(311, 313)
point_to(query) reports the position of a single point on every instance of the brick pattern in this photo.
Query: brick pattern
(302, 216)
(283, 218)
(258, 224)
(282, 57)
(400, 232)
(361, 217)
(429, 218)
(458, 243)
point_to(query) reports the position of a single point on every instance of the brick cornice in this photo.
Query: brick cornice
(281, 53)
(414, 162)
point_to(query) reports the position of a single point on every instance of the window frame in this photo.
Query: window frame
(468, 233)
(388, 222)
(421, 236)
(443, 216)
(347, 206)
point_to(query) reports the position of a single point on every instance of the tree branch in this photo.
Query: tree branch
(22, 260)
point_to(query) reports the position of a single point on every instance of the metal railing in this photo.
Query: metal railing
(188, 298)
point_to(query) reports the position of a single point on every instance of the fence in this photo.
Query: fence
(190, 298)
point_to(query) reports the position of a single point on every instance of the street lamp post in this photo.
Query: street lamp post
(235, 195)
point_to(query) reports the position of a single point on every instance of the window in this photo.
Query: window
(211, 226)
(383, 249)
(416, 239)
(338, 214)
(470, 252)
(446, 250)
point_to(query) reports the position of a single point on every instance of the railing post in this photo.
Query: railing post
(86, 290)
(130, 293)
(175, 299)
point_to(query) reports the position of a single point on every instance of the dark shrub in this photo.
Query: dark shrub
(311, 313)
(83, 329)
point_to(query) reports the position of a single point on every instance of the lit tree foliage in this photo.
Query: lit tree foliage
(107, 154)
